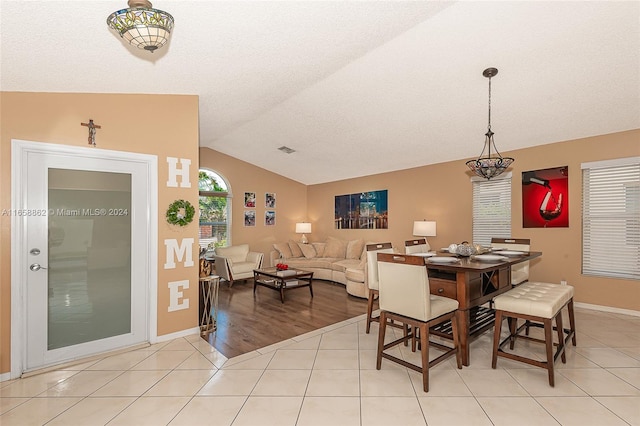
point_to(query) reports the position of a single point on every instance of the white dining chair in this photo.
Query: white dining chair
(372, 277)
(418, 245)
(520, 271)
(404, 296)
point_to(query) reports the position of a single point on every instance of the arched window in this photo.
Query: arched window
(215, 210)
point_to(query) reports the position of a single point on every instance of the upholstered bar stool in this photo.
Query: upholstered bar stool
(372, 277)
(519, 271)
(419, 245)
(405, 297)
(538, 304)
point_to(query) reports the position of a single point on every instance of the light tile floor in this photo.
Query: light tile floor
(328, 377)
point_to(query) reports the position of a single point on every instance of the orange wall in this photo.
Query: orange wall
(291, 201)
(442, 192)
(166, 126)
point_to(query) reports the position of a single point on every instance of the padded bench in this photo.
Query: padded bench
(538, 304)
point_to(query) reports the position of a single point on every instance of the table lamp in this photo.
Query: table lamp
(424, 228)
(303, 228)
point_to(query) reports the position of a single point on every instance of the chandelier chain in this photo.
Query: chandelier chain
(489, 126)
(490, 163)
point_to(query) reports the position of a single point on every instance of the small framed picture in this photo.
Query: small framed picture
(249, 218)
(250, 200)
(270, 200)
(269, 218)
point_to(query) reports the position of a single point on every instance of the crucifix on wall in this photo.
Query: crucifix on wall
(92, 131)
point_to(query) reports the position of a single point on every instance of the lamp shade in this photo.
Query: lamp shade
(142, 26)
(303, 228)
(424, 228)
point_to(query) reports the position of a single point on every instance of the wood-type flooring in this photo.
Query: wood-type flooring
(247, 322)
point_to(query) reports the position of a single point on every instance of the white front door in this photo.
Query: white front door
(83, 217)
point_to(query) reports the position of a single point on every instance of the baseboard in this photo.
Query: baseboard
(83, 360)
(603, 308)
(177, 334)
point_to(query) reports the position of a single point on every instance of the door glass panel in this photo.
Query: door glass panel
(89, 275)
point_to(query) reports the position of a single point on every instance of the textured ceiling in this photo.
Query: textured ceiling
(356, 88)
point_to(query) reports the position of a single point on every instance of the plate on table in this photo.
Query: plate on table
(490, 258)
(511, 253)
(443, 259)
(428, 254)
(445, 249)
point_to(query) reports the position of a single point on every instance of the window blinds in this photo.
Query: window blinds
(491, 209)
(611, 218)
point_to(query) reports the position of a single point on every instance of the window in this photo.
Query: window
(215, 209)
(491, 209)
(611, 218)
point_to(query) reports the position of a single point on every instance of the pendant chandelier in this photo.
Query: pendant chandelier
(142, 26)
(492, 164)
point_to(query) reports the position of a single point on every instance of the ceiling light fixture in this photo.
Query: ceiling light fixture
(142, 26)
(491, 165)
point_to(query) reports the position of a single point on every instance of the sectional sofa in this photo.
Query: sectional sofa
(334, 260)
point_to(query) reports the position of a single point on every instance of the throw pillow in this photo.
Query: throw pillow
(295, 249)
(283, 249)
(319, 249)
(354, 249)
(307, 250)
(335, 248)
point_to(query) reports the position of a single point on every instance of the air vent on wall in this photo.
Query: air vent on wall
(286, 149)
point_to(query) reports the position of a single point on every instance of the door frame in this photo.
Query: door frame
(20, 150)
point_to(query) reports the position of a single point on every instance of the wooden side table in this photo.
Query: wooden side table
(209, 286)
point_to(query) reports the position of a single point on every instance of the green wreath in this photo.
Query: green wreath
(180, 212)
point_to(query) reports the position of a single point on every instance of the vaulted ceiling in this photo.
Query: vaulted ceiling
(355, 88)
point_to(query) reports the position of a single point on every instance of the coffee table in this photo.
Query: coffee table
(282, 280)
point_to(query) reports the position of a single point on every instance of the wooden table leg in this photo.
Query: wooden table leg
(463, 318)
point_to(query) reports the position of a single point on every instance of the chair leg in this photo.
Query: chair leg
(572, 321)
(548, 337)
(416, 334)
(561, 337)
(370, 309)
(424, 342)
(456, 341)
(497, 329)
(381, 332)
(405, 332)
(513, 326)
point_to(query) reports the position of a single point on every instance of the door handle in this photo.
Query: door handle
(36, 267)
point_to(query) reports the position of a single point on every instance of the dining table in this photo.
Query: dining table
(473, 281)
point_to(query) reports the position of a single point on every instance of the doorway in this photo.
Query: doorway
(83, 262)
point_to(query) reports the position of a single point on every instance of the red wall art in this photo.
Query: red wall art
(545, 198)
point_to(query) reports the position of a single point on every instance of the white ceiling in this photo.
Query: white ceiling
(356, 88)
